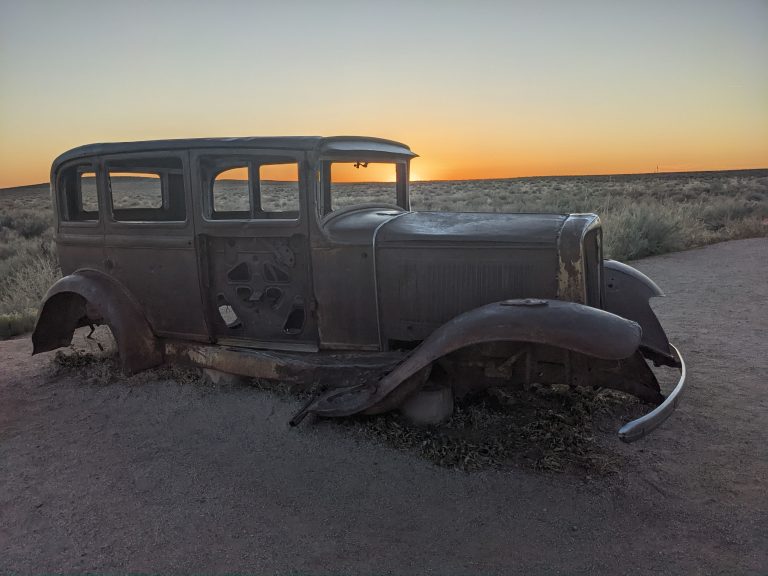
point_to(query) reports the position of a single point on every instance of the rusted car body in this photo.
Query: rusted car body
(367, 300)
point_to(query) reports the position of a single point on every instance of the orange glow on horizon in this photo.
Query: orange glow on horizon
(350, 172)
(437, 171)
(450, 154)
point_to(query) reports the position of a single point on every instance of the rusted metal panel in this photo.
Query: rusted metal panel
(570, 248)
(346, 309)
(264, 282)
(371, 148)
(304, 370)
(154, 267)
(627, 291)
(73, 248)
(345, 244)
(90, 296)
(523, 230)
(421, 288)
(356, 225)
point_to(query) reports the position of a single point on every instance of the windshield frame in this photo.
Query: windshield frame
(402, 184)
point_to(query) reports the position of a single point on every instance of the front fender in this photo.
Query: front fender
(627, 291)
(567, 325)
(72, 300)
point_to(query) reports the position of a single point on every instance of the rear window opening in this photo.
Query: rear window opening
(78, 194)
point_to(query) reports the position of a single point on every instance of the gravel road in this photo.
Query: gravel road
(168, 477)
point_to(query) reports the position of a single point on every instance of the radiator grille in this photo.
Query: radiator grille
(419, 292)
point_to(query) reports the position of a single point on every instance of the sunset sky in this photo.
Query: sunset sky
(479, 89)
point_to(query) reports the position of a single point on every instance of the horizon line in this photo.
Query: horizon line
(603, 175)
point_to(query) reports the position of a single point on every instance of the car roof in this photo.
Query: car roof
(334, 145)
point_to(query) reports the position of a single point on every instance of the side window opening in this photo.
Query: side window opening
(89, 198)
(231, 194)
(279, 189)
(253, 188)
(147, 190)
(136, 190)
(362, 182)
(78, 194)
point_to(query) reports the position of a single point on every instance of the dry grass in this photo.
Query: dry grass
(28, 264)
(642, 215)
(546, 428)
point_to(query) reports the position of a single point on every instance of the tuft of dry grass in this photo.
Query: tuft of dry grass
(546, 428)
(103, 367)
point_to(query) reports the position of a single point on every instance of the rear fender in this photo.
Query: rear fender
(567, 325)
(88, 296)
(627, 292)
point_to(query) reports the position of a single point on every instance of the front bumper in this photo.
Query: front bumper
(636, 429)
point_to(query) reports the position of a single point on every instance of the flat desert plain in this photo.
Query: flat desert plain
(160, 476)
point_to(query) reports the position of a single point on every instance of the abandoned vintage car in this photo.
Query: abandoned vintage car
(299, 259)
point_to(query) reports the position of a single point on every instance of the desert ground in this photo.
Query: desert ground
(155, 475)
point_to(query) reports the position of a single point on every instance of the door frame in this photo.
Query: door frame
(173, 236)
(245, 228)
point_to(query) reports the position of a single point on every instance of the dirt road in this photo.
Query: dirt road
(165, 477)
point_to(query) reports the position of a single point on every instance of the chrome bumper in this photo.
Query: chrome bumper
(636, 429)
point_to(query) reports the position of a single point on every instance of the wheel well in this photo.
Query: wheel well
(92, 297)
(57, 321)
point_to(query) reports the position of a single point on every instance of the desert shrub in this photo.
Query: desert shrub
(26, 288)
(752, 227)
(717, 215)
(17, 323)
(28, 264)
(638, 230)
(25, 276)
(26, 224)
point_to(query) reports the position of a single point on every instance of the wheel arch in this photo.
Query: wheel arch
(567, 325)
(86, 296)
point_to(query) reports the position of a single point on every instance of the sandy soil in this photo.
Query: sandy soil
(166, 477)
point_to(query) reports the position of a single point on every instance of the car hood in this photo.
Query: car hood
(519, 229)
